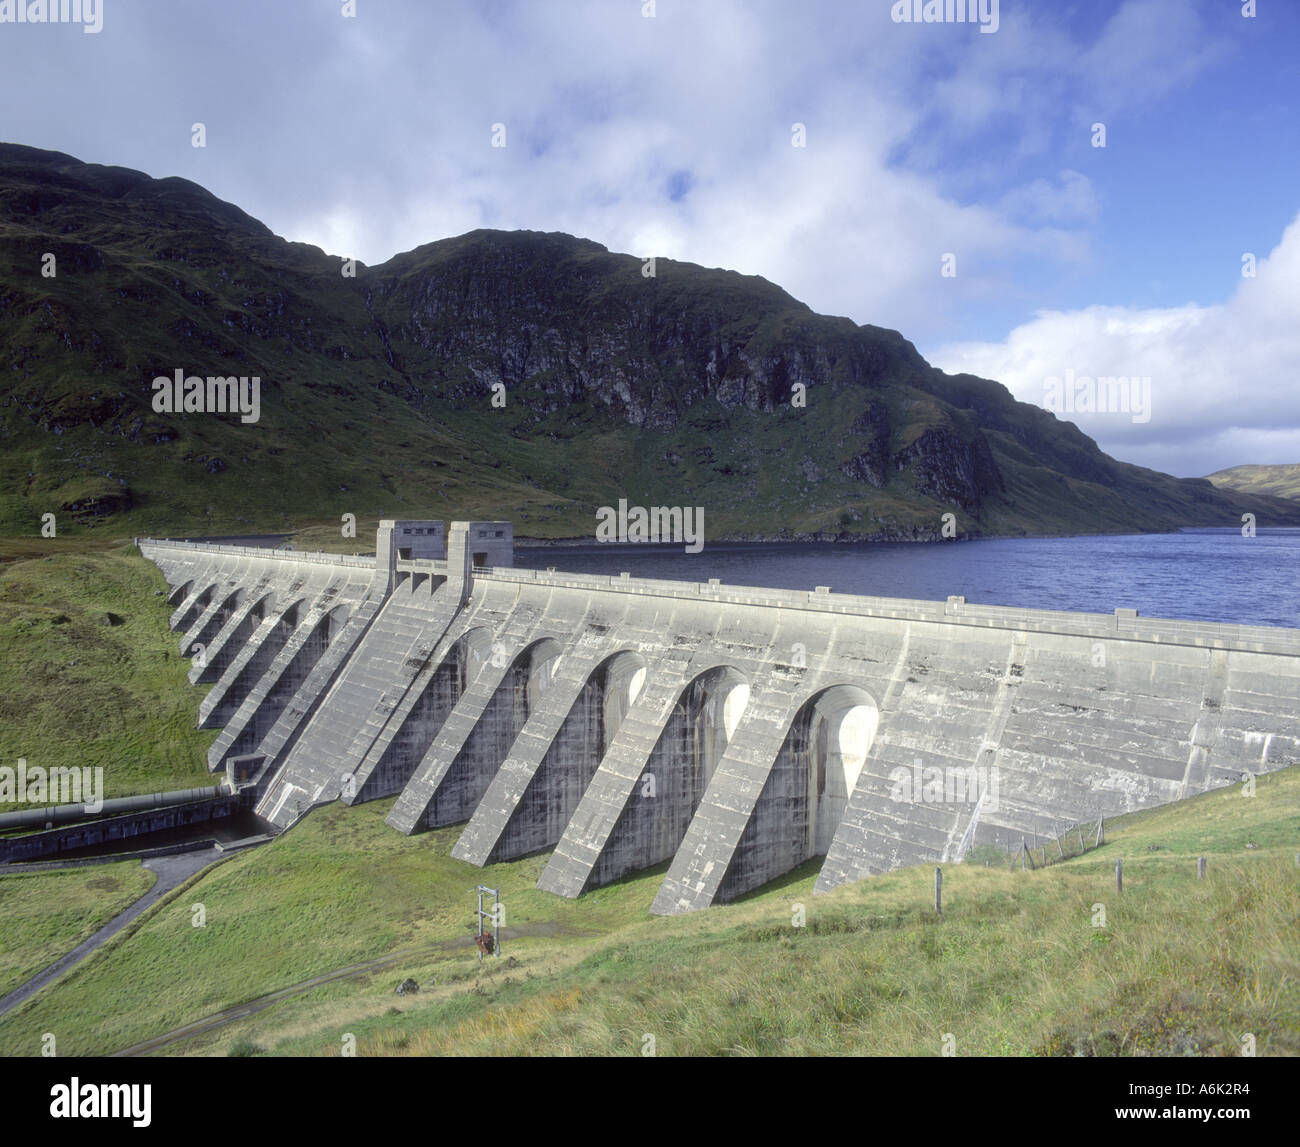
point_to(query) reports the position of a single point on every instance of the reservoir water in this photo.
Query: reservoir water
(1201, 575)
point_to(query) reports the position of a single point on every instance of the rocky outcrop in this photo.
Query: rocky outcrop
(952, 469)
(871, 430)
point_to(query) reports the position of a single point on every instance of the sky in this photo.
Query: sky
(940, 178)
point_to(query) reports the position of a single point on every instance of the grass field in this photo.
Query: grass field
(47, 914)
(1017, 965)
(90, 674)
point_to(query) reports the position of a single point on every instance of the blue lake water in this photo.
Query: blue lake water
(1202, 575)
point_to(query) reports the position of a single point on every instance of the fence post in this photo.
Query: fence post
(938, 890)
(1101, 833)
(1081, 848)
(1119, 875)
(1024, 848)
(1200, 868)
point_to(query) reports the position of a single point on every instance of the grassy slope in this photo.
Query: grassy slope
(1282, 480)
(1015, 966)
(47, 914)
(339, 888)
(75, 691)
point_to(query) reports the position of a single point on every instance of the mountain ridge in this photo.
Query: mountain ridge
(378, 389)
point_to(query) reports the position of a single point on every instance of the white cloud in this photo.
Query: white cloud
(370, 136)
(1070, 199)
(1223, 377)
(1148, 48)
(602, 107)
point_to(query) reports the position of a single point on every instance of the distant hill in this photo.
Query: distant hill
(1282, 480)
(378, 388)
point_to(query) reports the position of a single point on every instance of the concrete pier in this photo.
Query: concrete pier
(736, 733)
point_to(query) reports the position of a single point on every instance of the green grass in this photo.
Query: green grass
(47, 914)
(80, 689)
(1281, 480)
(1015, 966)
(341, 887)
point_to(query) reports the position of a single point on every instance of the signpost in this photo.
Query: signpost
(489, 944)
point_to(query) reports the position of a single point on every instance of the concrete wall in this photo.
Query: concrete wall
(53, 842)
(735, 732)
(491, 544)
(419, 540)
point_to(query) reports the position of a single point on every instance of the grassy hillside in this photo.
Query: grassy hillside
(1282, 481)
(1016, 965)
(90, 674)
(47, 914)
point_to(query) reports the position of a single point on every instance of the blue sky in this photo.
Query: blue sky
(672, 135)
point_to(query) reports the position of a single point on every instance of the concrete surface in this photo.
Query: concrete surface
(621, 722)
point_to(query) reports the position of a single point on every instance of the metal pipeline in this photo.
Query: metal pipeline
(66, 813)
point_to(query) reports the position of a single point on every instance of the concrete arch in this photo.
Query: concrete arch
(438, 697)
(276, 694)
(543, 658)
(677, 772)
(224, 650)
(477, 647)
(807, 789)
(196, 608)
(521, 690)
(842, 726)
(335, 620)
(271, 636)
(622, 680)
(212, 621)
(552, 793)
(179, 593)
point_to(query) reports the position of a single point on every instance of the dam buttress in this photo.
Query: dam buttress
(733, 732)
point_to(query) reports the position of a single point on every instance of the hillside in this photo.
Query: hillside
(1281, 481)
(89, 672)
(377, 388)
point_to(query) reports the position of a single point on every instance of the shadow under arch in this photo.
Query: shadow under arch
(286, 684)
(677, 772)
(216, 623)
(438, 697)
(807, 790)
(219, 661)
(275, 639)
(526, 681)
(547, 804)
(195, 611)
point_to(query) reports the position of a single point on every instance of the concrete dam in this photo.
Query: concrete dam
(734, 733)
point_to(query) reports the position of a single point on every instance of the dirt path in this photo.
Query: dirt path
(349, 971)
(171, 871)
